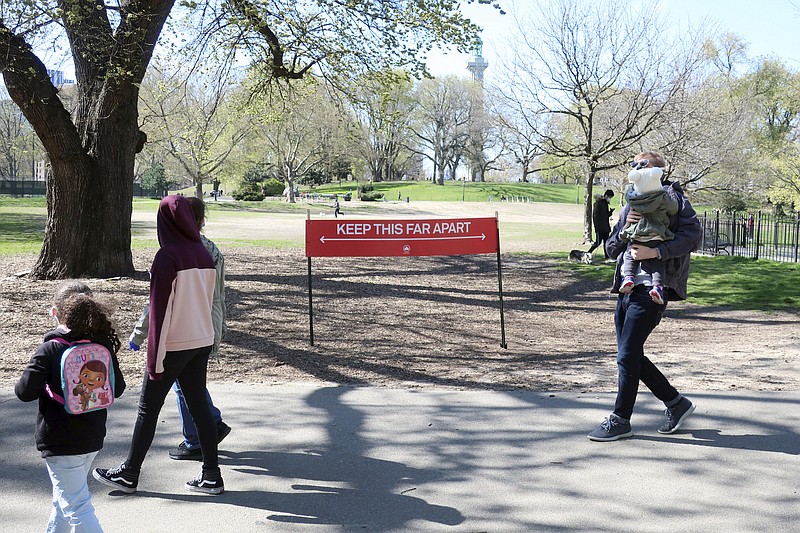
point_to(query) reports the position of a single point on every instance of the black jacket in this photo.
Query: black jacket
(58, 432)
(600, 215)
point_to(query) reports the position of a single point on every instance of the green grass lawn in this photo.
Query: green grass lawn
(457, 191)
(735, 282)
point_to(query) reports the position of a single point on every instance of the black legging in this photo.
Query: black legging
(601, 237)
(189, 368)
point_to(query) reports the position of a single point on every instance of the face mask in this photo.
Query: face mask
(646, 179)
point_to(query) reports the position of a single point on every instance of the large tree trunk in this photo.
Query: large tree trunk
(89, 193)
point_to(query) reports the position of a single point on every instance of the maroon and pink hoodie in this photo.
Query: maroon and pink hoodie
(182, 281)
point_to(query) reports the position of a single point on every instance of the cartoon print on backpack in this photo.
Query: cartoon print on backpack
(92, 376)
(86, 374)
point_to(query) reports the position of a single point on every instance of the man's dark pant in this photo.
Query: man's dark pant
(636, 316)
(601, 239)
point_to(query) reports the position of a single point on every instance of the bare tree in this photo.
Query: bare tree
(608, 71)
(295, 129)
(383, 109)
(190, 115)
(519, 127)
(485, 144)
(442, 120)
(17, 142)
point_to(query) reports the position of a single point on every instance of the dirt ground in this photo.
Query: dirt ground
(429, 321)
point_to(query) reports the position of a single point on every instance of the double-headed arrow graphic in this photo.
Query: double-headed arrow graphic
(325, 239)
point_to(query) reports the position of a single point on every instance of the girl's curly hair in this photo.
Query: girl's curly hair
(85, 317)
(67, 289)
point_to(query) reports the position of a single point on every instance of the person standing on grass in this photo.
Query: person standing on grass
(190, 447)
(637, 314)
(69, 443)
(601, 213)
(180, 338)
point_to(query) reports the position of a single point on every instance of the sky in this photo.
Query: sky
(769, 26)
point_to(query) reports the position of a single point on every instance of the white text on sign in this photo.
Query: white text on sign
(410, 228)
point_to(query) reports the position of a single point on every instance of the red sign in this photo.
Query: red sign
(373, 238)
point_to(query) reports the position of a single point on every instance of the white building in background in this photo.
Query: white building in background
(57, 78)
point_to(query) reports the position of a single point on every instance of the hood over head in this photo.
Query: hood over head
(175, 221)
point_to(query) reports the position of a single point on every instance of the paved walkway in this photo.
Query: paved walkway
(316, 459)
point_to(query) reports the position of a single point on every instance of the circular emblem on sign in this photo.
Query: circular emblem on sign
(406, 249)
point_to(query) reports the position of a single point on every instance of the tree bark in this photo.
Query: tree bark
(587, 204)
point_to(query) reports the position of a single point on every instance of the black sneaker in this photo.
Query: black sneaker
(181, 452)
(222, 431)
(612, 428)
(119, 478)
(677, 415)
(203, 483)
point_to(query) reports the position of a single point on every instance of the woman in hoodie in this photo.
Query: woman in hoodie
(180, 339)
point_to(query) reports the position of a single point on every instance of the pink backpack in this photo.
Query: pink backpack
(87, 377)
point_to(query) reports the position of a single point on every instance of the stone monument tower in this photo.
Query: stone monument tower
(477, 64)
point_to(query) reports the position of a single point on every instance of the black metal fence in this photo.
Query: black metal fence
(39, 188)
(758, 235)
(23, 187)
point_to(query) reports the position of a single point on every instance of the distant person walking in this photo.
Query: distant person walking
(69, 443)
(601, 214)
(336, 210)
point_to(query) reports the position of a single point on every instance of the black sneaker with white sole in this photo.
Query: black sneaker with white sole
(207, 484)
(183, 452)
(119, 478)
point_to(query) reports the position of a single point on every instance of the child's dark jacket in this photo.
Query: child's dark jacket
(58, 432)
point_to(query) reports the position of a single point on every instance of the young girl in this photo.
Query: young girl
(69, 443)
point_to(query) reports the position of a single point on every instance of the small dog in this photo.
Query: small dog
(578, 256)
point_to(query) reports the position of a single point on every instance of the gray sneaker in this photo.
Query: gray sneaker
(612, 428)
(677, 415)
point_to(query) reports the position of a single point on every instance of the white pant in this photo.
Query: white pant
(72, 502)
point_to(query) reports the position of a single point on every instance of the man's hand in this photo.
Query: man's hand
(633, 218)
(640, 252)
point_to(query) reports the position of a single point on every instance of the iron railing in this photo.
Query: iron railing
(757, 235)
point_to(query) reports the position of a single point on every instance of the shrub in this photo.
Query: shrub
(371, 196)
(273, 187)
(731, 202)
(248, 196)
